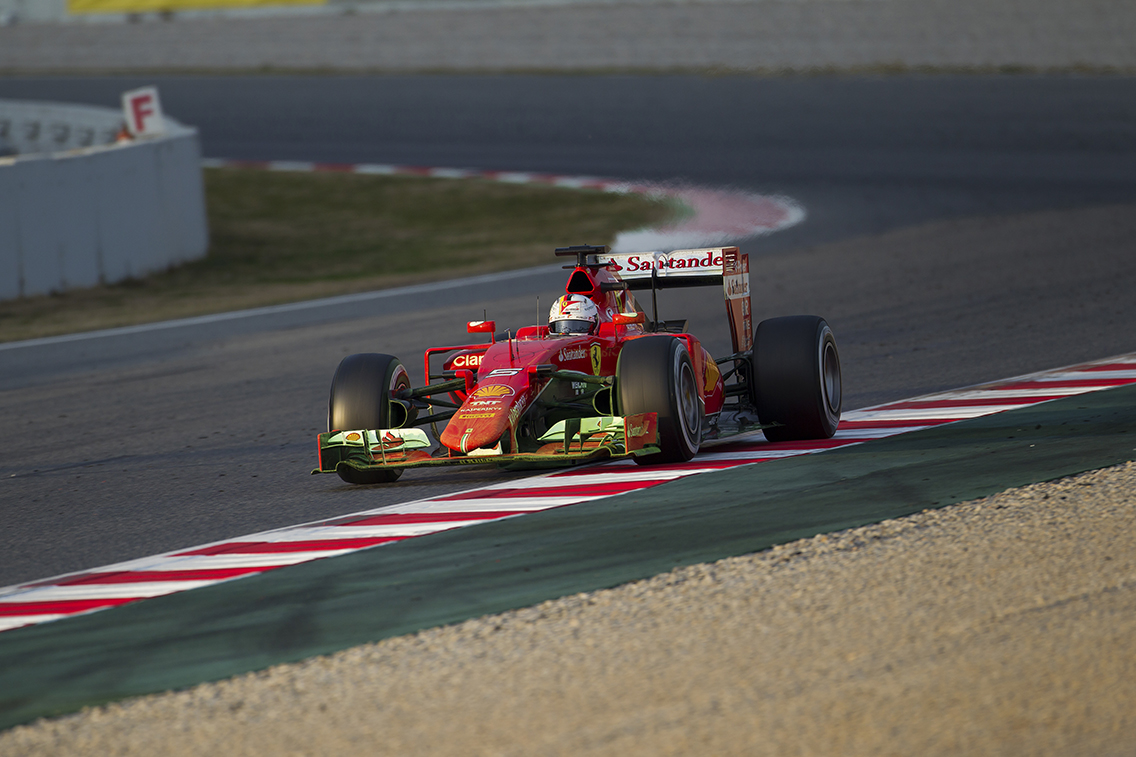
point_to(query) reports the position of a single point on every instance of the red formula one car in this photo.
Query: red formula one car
(599, 381)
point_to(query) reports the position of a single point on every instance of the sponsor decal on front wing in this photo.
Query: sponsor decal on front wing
(484, 404)
(515, 413)
(640, 430)
(409, 438)
(464, 416)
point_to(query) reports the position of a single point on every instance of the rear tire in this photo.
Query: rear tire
(656, 375)
(796, 378)
(360, 399)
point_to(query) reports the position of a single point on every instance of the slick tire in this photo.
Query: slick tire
(656, 375)
(796, 378)
(360, 399)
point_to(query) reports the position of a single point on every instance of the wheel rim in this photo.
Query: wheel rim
(399, 380)
(830, 376)
(688, 403)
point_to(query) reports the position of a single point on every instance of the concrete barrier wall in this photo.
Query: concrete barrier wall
(34, 127)
(100, 214)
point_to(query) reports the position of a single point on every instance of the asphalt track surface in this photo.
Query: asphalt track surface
(323, 606)
(959, 230)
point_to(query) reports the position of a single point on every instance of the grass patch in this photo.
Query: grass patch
(283, 237)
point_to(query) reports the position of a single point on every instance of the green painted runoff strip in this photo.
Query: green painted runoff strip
(327, 605)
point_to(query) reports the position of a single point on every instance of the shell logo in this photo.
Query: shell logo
(491, 392)
(353, 437)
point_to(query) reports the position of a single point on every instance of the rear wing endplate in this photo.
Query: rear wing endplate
(710, 266)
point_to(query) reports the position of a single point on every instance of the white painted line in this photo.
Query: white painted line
(141, 589)
(548, 480)
(577, 182)
(1086, 376)
(376, 169)
(603, 476)
(345, 299)
(1024, 394)
(874, 433)
(249, 560)
(290, 165)
(451, 173)
(510, 503)
(515, 177)
(772, 454)
(19, 621)
(366, 532)
(934, 413)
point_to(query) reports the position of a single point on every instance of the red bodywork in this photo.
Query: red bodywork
(512, 373)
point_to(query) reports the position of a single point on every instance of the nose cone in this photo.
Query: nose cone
(482, 419)
(464, 435)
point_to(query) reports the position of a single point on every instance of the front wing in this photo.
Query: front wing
(569, 442)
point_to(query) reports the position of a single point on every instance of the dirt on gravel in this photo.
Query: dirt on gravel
(1000, 626)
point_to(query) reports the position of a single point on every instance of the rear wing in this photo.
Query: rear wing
(710, 266)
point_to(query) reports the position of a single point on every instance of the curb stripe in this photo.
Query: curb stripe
(71, 607)
(143, 576)
(437, 172)
(394, 519)
(110, 586)
(717, 216)
(259, 547)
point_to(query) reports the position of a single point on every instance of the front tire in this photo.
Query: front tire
(361, 392)
(656, 375)
(796, 378)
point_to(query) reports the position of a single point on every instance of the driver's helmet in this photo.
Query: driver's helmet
(573, 314)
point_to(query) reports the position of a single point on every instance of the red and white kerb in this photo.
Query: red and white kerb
(190, 568)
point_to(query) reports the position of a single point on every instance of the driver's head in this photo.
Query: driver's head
(573, 314)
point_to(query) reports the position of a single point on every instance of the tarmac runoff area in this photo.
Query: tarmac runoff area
(999, 626)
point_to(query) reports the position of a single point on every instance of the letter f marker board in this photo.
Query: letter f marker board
(143, 112)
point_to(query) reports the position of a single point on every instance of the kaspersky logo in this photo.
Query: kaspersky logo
(492, 391)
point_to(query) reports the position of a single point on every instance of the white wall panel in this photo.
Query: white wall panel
(104, 213)
(75, 196)
(129, 226)
(9, 232)
(41, 216)
(183, 198)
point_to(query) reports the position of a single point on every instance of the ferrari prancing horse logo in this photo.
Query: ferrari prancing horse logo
(595, 352)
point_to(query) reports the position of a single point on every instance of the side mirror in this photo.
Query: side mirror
(481, 327)
(626, 319)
